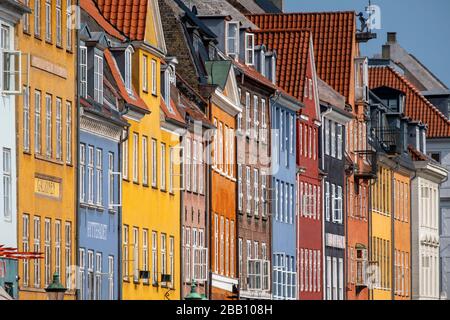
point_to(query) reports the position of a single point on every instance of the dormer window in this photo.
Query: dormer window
(232, 39)
(249, 49)
(417, 138)
(262, 59)
(274, 70)
(424, 141)
(128, 68)
(98, 78)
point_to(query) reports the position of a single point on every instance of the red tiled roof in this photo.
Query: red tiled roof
(133, 99)
(255, 75)
(292, 48)
(334, 36)
(417, 106)
(128, 16)
(90, 7)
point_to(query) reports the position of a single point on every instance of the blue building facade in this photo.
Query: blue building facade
(101, 131)
(284, 194)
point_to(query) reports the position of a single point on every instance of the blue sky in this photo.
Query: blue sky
(422, 26)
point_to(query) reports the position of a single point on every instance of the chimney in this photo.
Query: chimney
(392, 37)
(386, 51)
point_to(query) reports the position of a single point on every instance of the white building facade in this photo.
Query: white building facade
(425, 229)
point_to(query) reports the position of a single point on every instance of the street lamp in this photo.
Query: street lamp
(194, 295)
(55, 290)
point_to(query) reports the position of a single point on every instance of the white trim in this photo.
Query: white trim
(222, 282)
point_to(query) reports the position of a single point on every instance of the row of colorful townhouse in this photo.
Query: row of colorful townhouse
(157, 149)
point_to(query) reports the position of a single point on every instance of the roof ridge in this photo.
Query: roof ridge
(273, 30)
(301, 13)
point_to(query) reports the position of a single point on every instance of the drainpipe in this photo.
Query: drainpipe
(208, 201)
(414, 177)
(77, 143)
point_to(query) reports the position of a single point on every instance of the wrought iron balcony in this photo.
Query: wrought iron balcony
(366, 165)
(388, 140)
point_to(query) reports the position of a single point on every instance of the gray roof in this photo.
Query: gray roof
(250, 6)
(219, 8)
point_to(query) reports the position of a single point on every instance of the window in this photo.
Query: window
(201, 183)
(187, 253)
(220, 148)
(58, 246)
(135, 257)
(125, 255)
(99, 176)
(37, 18)
(163, 254)
(58, 129)
(274, 69)
(37, 248)
(26, 18)
(255, 116)
(69, 26)
(247, 114)
(163, 166)
(222, 244)
(145, 73)
(227, 247)
(47, 252)
(240, 191)
(26, 119)
(249, 49)
(26, 248)
(216, 243)
(240, 259)
(310, 82)
(256, 191)
(154, 163)
(98, 276)
(111, 277)
(82, 173)
(48, 126)
(58, 23)
(82, 261)
(337, 203)
(128, 68)
(172, 260)
(7, 192)
(172, 169)
(263, 179)
(68, 132)
(90, 175)
(194, 166)
(83, 71)
(48, 20)
(339, 134)
(248, 189)
(98, 79)
(263, 121)
(145, 160)
(291, 134)
(232, 39)
(154, 77)
(333, 139)
(90, 274)
(327, 201)
(68, 253)
(155, 257)
(135, 158)
(232, 248)
(188, 163)
(335, 279)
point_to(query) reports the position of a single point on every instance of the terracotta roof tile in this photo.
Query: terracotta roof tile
(133, 99)
(416, 155)
(171, 113)
(292, 48)
(128, 16)
(334, 36)
(417, 106)
(255, 75)
(90, 7)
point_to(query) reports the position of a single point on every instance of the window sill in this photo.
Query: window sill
(26, 32)
(69, 51)
(38, 37)
(49, 42)
(49, 160)
(28, 153)
(59, 46)
(136, 183)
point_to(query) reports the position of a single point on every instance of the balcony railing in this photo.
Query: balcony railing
(388, 140)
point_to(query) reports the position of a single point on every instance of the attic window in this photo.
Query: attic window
(362, 79)
(232, 39)
(128, 68)
(274, 70)
(262, 61)
(98, 79)
(249, 49)
(417, 138)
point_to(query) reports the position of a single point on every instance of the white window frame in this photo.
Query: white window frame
(83, 72)
(154, 163)
(235, 39)
(249, 49)
(68, 132)
(98, 78)
(135, 157)
(48, 126)
(163, 172)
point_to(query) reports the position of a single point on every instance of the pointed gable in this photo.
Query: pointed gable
(334, 35)
(417, 107)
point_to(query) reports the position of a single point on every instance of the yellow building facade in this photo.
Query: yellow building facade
(151, 182)
(46, 130)
(381, 234)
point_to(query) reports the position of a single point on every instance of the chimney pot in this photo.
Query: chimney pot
(392, 37)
